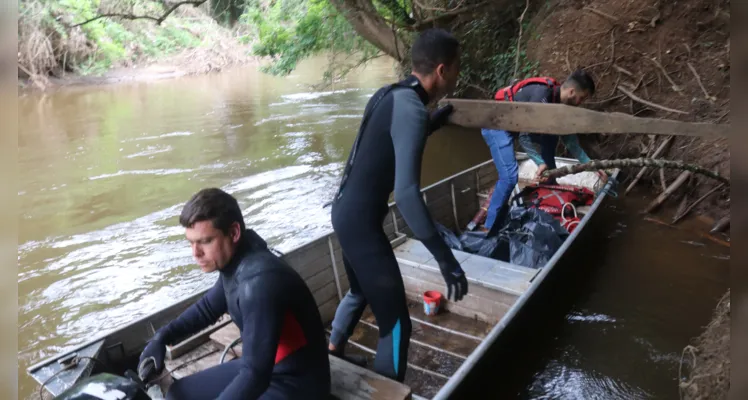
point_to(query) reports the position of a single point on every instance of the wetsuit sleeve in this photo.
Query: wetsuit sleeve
(198, 316)
(408, 130)
(571, 142)
(525, 141)
(262, 305)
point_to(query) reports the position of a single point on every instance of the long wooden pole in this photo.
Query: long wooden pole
(560, 119)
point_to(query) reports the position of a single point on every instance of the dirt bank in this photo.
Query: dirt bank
(705, 366)
(670, 54)
(157, 70)
(53, 52)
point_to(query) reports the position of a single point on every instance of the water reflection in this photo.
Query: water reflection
(105, 172)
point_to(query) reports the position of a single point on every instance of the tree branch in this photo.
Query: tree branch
(519, 40)
(428, 21)
(632, 162)
(649, 103)
(131, 17)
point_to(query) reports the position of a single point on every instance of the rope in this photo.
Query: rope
(229, 347)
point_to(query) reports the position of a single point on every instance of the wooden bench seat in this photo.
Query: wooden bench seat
(349, 382)
(484, 271)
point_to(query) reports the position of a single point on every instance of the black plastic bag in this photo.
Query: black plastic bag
(449, 237)
(533, 235)
(480, 243)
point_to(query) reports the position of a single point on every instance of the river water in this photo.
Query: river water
(104, 172)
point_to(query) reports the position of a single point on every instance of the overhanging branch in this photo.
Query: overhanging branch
(158, 20)
(428, 21)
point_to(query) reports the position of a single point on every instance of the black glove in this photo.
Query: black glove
(154, 352)
(439, 118)
(454, 277)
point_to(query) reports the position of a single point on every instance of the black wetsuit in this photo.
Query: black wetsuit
(387, 155)
(284, 351)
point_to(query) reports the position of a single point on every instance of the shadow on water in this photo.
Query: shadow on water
(613, 324)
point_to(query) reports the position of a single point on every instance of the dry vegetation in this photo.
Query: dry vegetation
(705, 366)
(51, 46)
(653, 59)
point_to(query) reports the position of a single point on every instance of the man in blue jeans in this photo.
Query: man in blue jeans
(541, 148)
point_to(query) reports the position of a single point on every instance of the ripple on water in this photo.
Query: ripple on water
(562, 381)
(106, 278)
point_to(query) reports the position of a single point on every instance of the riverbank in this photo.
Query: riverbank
(656, 60)
(55, 50)
(707, 362)
(170, 68)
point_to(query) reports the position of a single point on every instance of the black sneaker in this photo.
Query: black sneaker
(351, 358)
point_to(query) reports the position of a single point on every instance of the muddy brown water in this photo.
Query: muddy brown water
(105, 170)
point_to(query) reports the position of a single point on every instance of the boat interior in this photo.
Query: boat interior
(439, 344)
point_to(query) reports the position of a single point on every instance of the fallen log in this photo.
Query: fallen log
(560, 119)
(682, 178)
(595, 165)
(702, 234)
(721, 225)
(695, 203)
(656, 154)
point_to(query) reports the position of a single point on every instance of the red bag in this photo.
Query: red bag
(561, 202)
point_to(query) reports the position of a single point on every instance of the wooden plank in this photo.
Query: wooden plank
(196, 340)
(203, 357)
(327, 310)
(324, 294)
(226, 335)
(456, 345)
(351, 382)
(320, 280)
(560, 119)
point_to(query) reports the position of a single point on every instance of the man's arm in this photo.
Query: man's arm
(408, 130)
(198, 316)
(571, 142)
(263, 312)
(525, 141)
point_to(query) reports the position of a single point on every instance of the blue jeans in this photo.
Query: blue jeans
(501, 145)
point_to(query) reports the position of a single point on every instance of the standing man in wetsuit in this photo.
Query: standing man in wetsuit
(386, 155)
(283, 340)
(577, 87)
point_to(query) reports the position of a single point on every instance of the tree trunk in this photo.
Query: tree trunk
(364, 18)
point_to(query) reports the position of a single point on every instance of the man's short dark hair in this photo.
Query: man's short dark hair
(433, 47)
(581, 81)
(212, 205)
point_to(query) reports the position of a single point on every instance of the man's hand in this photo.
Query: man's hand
(154, 352)
(455, 279)
(439, 118)
(539, 175)
(603, 176)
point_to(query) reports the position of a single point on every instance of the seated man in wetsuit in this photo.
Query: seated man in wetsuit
(387, 153)
(284, 353)
(577, 87)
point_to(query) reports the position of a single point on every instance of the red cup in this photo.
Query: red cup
(431, 302)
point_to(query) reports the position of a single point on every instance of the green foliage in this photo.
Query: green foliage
(490, 54)
(290, 30)
(108, 42)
